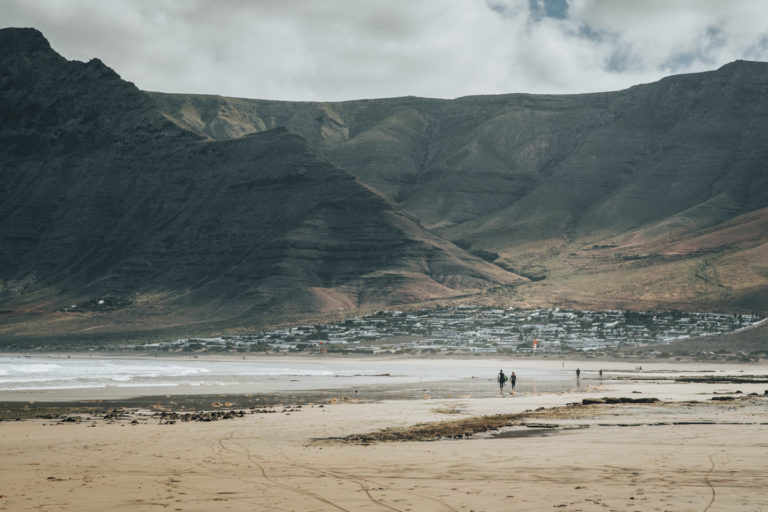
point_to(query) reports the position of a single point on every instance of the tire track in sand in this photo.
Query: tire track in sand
(340, 475)
(149, 473)
(712, 487)
(259, 464)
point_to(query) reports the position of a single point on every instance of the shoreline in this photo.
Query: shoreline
(317, 357)
(691, 382)
(407, 378)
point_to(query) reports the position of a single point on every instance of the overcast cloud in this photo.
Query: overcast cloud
(349, 49)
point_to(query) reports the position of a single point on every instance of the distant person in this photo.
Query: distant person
(578, 373)
(512, 380)
(601, 374)
(501, 378)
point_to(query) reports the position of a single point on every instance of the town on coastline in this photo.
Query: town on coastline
(474, 330)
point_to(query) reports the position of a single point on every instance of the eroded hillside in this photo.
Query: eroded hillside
(627, 198)
(129, 214)
(113, 218)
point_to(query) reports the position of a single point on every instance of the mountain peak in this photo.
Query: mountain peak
(741, 63)
(744, 68)
(25, 39)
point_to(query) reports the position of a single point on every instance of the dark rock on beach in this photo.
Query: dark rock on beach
(203, 416)
(620, 400)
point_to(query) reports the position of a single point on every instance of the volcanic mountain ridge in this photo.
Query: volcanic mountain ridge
(126, 213)
(116, 221)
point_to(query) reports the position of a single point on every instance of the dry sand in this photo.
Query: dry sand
(688, 453)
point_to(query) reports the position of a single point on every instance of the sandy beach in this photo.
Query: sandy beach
(684, 452)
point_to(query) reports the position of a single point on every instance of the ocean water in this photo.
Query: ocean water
(24, 374)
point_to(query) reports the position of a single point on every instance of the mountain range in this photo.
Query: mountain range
(126, 213)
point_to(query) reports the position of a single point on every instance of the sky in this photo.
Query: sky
(331, 50)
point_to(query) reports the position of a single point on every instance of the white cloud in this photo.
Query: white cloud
(346, 49)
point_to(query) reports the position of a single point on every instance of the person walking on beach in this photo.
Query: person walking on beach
(578, 373)
(502, 379)
(512, 380)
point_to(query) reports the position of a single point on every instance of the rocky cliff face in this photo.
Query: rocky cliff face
(103, 196)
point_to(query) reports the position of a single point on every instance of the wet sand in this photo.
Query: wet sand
(686, 452)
